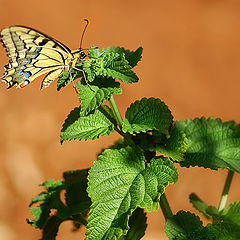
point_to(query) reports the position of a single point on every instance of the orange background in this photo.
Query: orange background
(191, 61)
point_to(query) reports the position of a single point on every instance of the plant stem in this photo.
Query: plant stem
(119, 120)
(225, 191)
(115, 110)
(167, 212)
(79, 219)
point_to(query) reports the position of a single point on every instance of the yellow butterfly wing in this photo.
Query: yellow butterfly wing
(31, 54)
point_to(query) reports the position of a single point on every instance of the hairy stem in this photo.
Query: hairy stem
(119, 120)
(225, 191)
(167, 212)
(115, 110)
(79, 219)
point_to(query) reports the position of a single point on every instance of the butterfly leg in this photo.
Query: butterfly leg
(84, 76)
(74, 86)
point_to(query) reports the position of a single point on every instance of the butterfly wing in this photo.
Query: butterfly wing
(31, 54)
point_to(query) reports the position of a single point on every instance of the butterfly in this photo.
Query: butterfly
(32, 53)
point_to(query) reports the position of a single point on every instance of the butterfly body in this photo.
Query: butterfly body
(32, 54)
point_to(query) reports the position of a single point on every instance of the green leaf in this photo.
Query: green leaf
(43, 196)
(211, 143)
(115, 188)
(50, 230)
(147, 114)
(53, 186)
(133, 57)
(158, 174)
(118, 184)
(230, 214)
(94, 52)
(88, 127)
(92, 96)
(187, 226)
(76, 207)
(114, 65)
(76, 196)
(137, 224)
(40, 215)
(199, 205)
(90, 71)
(50, 199)
(73, 176)
(65, 78)
(225, 230)
(76, 199)
(174, 147)
(226, 224)
(51, 196)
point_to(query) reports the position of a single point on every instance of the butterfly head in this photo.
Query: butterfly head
(79, 54)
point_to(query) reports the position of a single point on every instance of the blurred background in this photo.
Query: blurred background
(191, 61)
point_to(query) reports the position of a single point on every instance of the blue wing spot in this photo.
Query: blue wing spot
(20, 72)
(29, 61)
(27, 75)
(26, 82)
(38, 50)
(22, 68)
(36, 55)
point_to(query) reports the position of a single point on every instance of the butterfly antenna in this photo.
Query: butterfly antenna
(84, 32)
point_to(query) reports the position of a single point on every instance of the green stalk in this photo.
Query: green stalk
(225, 191)
(79, 219)
(115, 110)
(167, 212)
(119, 120)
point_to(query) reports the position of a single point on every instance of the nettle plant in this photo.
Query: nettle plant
(129, 178)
